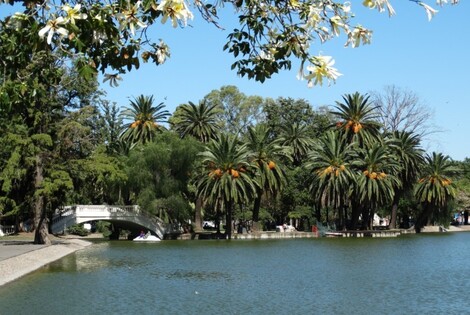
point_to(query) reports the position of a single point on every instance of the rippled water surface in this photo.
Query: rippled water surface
(418, 274)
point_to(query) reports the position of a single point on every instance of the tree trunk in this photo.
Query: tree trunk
(228, 223)
(371, 219)
(217, 222)
(256, 207)
(198, 215)
(318, 214)
(393, 216)
(423, 218)
(41, 235)
(355, 212)
(365, 218)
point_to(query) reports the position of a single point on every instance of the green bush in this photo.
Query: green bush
(104, 228)
(78, 229)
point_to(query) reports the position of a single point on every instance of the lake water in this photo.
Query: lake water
(416, 274)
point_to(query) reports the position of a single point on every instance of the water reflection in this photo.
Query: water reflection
(83, 261)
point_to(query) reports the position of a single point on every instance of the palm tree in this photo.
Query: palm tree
(357, 117)
(297, 137)
(199, 121)
(144, 120)
(266, 152)
(226, 180)
(435, 188)
(330, 164)
(376, 180)
(406, 149)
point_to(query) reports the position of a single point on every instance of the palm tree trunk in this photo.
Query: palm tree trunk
(355, 212)
(423, 218)
(371, 219)
(198, 214)
(41, 235)
(228, 223)
(256, 207)
(393, 216)
(365, 218)
(342, 214)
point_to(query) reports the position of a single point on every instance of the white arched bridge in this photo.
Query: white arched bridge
(128, 217)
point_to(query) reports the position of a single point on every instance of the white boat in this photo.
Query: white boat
(146, 238)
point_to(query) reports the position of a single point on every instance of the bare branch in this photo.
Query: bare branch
(401, 109)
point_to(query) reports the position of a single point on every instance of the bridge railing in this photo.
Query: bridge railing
(66, 210)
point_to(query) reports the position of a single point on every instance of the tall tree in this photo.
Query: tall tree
(201, 122)
(331, 164)
(266, 153)
(158, 176)
(376, 180)
(410, 156)
(226, 181)
(462, 183)
(50, 114)
(435, 188)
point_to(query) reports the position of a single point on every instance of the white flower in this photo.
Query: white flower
(314, 16)
(359, 34)
(266, 55)
(129, 17)
(74, 13)
(390, 9)
(176, 10)
(53, 26)
(380, 5)
(321, 67)
(429, 10)
(162, 52)
(336, 23)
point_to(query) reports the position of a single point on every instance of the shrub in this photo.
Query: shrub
(78, 229)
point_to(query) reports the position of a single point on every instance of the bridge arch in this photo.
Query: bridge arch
(130, 216)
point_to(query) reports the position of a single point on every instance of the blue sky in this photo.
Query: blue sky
(428, 58)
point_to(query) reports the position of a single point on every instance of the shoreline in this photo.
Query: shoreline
(24, 257)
